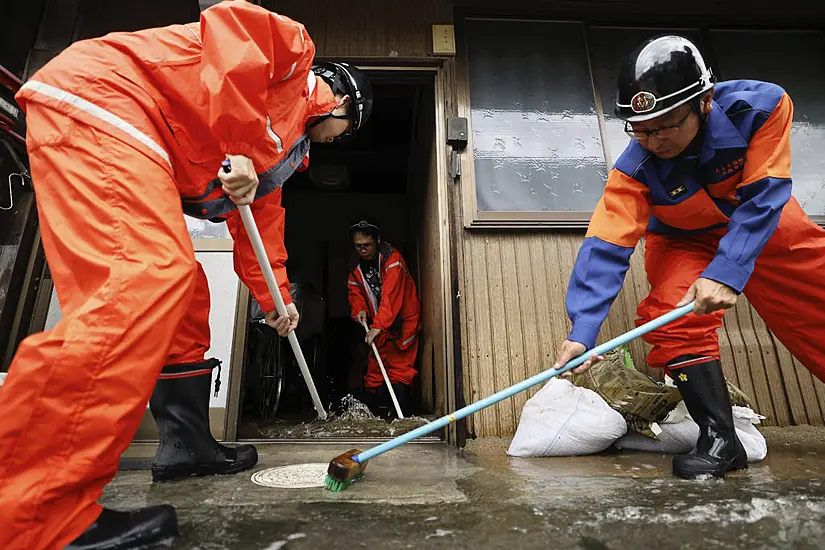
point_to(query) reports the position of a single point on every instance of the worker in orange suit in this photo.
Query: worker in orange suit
(126, 134)
(707, 181)
(382, 294)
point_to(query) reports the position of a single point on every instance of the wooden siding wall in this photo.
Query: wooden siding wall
(514, 316)
(368, 28)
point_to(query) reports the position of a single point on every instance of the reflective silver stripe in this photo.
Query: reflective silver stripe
(99, 112)
(198, 38)
(278, 144)
(408, 340)
(386, 269)
(353, 283)
(370, 294)
(291, 71)
(311, 82)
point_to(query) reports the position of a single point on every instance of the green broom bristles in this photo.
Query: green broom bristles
(338, 486)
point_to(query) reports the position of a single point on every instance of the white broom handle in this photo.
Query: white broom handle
(384, 372)
(272, 284)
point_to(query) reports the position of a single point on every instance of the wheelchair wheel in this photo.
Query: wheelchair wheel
(271, 360)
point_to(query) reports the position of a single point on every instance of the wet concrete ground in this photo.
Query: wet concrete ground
(431, 496)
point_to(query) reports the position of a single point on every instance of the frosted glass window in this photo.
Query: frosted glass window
(536, 137)
(609, 48)
(794, 60)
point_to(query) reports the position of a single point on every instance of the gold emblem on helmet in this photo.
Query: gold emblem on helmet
(643, 102)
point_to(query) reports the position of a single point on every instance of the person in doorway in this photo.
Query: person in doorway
(707, 181)
(126, 134)
(382, 295)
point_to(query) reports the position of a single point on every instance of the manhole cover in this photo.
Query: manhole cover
(296, 476)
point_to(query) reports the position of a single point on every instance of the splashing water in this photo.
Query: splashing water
(354, 410)
(354, 420)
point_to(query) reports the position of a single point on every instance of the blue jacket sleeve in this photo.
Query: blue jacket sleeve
(597, 278)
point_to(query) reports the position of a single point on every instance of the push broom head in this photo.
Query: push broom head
(343, 471)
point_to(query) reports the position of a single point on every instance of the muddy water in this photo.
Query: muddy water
(355, 420)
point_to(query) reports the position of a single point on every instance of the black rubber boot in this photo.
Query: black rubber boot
(402, 393)
(706, 396)
(181, 409)
(385, 406)
(142, 528)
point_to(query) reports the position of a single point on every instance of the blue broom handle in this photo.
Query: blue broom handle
(521, 386)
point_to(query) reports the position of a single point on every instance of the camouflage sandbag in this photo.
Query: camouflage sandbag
(641, 400)
(638, 398)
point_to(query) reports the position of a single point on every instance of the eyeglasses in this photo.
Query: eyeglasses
(661, 133)
(363, 246)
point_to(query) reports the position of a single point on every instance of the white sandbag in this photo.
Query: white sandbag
(745, 420)
(675, 438)
(677, 434)
(680, 437)
(566, 420)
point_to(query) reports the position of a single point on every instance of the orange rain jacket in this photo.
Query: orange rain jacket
(238, 82)
(399, 310)
(398, 315)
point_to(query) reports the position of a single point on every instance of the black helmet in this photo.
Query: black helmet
(660, 75)
(345, 79)
(365, 227)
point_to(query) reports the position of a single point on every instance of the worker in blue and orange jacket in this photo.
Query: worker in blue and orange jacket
(382, 294)
(126, 134)
(707, 181)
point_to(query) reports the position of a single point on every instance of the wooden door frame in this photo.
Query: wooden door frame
(433, 69)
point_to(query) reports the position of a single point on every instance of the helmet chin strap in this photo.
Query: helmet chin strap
(318, 120)
(346, 116)
(322, 118)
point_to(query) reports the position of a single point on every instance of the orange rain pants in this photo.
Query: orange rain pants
(785, 289)
(193, 337)
(399, 363)
(123, 263)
